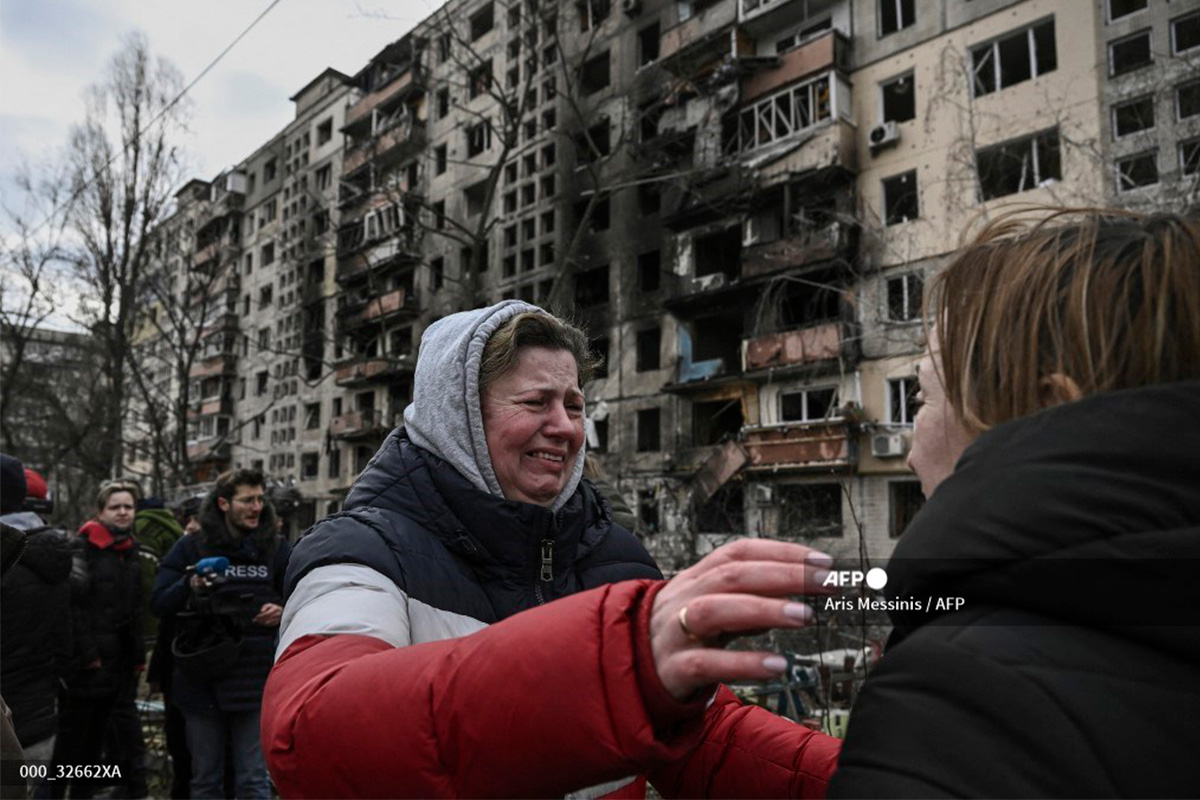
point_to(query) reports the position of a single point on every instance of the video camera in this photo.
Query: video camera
(209, 633)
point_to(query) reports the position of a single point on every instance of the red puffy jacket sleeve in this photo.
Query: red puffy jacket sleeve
(548, 701)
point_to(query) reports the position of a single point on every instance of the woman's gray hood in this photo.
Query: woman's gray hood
(445, 417)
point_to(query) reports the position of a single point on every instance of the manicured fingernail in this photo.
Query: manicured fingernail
(775, 663)
(819, 559)
(818, 577)
(797, 611)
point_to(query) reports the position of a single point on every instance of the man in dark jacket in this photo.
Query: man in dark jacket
(35, 606)
(227, 625)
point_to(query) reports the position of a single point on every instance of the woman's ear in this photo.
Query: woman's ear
(1057, 389)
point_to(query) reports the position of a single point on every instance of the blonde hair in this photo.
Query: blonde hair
(111, 487)
(1110, 299)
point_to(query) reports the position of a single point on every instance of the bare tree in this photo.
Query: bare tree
(124, 168)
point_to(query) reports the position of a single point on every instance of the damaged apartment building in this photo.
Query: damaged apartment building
(742, 200)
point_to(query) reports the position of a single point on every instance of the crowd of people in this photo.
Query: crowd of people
(477, 622)
(79, 612)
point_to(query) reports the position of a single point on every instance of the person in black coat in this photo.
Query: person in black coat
(1058, 446)
(221, 701)
(106, 597)
(35, 649)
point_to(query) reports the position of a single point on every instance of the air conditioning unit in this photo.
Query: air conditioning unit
(763, 494)
(706, 283)
(631, 8)
(888, 445)
(884, 134)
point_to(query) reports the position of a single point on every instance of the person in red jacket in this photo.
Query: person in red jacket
(474, 623)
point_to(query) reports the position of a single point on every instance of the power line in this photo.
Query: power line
(157, 117)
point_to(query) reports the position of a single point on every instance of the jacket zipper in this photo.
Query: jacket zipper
(546, 573)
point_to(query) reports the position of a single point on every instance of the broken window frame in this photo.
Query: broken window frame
(1113, 70)
(479, 138)
(647, 358)
(820, 517)
(1193, 19)
(482, 22)
(890, 202)
(905, 499)
(1192, 90)
(901, 19)
(1128, 179)
(785, 113)
(1189, 157)
(987, 67)
(911, 111)
(1130, 112)
(1141, 5)
(649, 430)
(911, 294)
(803, 392)
(1040, 163)
(902, 403)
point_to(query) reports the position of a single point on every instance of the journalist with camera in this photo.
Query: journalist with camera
(223, 586)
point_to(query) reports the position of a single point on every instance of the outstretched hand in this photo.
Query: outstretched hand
(737, 589)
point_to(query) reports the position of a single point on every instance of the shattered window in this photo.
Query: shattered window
(900, 203)
(1019, 165)
(899, 99)
(895, 15)
(724, 512)
(1014, 58)
(1189, 157)
(1185, 33)
(906, 500)
(1136, 115)
(1187, 100)
(1123, 8)
(1130, 53)
(809, 510)
(1137, 171)
(714, 420)
(904, 297)
(648, 347)
(808, 405)
(649, 424)
(902, 400)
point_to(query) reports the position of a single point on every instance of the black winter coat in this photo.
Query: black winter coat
(35, 643)
(1074, 668)
(106, 612)
(414, 518)
(258, 563)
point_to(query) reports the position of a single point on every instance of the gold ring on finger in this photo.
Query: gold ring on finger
(683, 624)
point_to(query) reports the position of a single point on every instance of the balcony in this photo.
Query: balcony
(702, 28)
(362, 110)
(829, 51)
(220, 364)
(400, 140)
(210, 407)
(214, 449)
(356, 311)
(205, 254)
(357, 424)
(366, 371)
(223, 323)
(819, 445)
(793, 348)
(802, 249)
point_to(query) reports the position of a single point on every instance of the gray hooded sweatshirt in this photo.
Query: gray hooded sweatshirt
(445, 416)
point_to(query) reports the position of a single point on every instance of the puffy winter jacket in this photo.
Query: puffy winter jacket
(106, 614)
(257, 565)
(391, 683)
(35, 646)
(1072, 536)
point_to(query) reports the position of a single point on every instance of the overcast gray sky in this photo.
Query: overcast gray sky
(52, 50)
